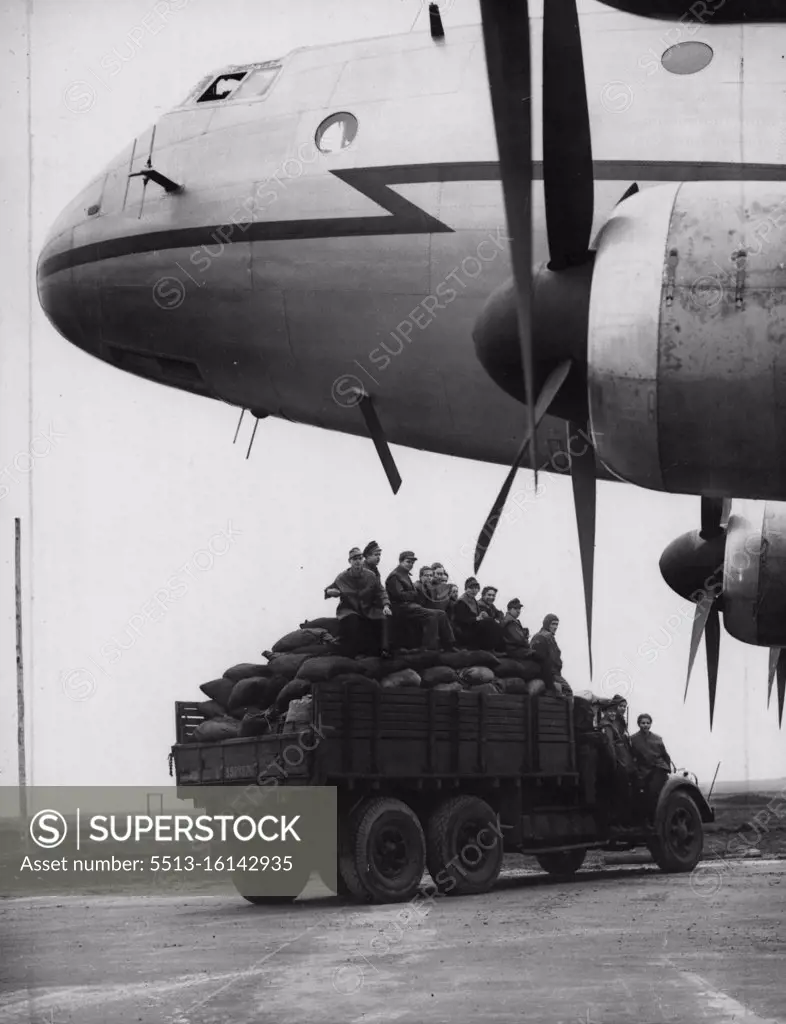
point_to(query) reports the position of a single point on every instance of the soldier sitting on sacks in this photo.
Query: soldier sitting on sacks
(544, 644)
(487, 607)
(435, 590)
(475, 631)
(515, 637)
(363, 605)
(404, 601)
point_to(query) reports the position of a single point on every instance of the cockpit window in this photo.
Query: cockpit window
(257, 83)
(223, 87)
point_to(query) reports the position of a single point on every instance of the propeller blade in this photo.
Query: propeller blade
(780, 673)
(377, 435)
(548, 393)
(567, 142)
(583, 475)
(631, 190)
(506, 40)
(775, 653)
(714, 516)
(712, 639)
(703, 609)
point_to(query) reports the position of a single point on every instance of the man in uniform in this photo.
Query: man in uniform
(363, 601)
(487, 607)
(372, 553)
(436, 629)
(652, 760)
(545, 645)
(515, 637)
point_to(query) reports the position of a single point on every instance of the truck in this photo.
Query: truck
(450, 782)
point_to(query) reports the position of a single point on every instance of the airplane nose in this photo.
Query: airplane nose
(56, 292)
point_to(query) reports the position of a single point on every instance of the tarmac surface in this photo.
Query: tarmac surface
(609, 947)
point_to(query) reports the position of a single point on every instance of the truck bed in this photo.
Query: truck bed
(386, 733)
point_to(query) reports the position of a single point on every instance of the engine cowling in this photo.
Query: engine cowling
(687, 339)
(754, 577)
(743, 568)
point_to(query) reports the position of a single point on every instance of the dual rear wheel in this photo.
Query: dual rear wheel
(384, 849)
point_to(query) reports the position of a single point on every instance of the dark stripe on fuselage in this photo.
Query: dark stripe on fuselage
(402, 216)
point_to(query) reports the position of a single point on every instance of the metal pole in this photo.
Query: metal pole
(714, 777)
(20, 676)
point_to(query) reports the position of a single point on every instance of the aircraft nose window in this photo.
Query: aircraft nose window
(336, 132)
(687, 58)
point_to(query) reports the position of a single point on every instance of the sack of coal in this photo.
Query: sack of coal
(378, 668)
(526, 687)
(318, 668)
(287, 665)
(490, 687)
(218, 690)
(294, 689)
(216, 729)
(439, 675)
(245, 670)
(467, 659)
(355, 679)
(258, 691)
(255, 723)
(302, 638)
(419, 660)
(476, 675)
(211, 709)
(397, 680)
(299, 714)
(330, 625)
(526, 668)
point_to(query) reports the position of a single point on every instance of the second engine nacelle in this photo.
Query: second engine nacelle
(687, 339)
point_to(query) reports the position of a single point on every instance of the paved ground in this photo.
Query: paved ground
(612, 947)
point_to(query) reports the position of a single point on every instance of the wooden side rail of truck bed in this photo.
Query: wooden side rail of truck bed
(390, 734)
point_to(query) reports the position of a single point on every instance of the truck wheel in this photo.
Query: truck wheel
(680, 835)
(561, 862)
(464, 846)
(385, 851)
(260, 887)
(347, 871)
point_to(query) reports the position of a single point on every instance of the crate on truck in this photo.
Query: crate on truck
(449, 781)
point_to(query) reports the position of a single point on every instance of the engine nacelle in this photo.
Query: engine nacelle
(754, 577)
(687, 339)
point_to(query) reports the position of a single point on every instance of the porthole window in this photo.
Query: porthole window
(687, 58)
(336, 132)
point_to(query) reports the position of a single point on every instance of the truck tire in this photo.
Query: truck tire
(384, 854)
(458, 863)
(561, 862)
(679, 840)
(347, 829)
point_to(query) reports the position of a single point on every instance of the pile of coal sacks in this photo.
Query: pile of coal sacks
(253, 700)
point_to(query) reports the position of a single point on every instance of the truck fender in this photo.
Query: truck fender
(675, 782)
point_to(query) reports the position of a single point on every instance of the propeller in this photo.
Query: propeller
(584, 479)
(506, 40)
(569, 202)
(778, 670)
(695, 562)
(553, 383)
(714, 519)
